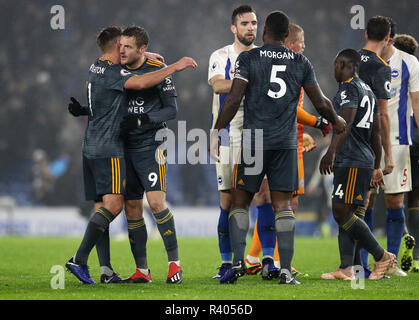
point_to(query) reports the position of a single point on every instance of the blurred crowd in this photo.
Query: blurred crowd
(42, 68)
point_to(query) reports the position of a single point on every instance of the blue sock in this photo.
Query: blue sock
(395, 227)
(224, 236)
(369, 220)
(266, 229)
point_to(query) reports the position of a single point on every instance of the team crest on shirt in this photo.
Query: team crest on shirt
(365, 58)
(387, 86)
(395, 73)
(220, 180)
(124, 72)
(343, 96)
(214, 66)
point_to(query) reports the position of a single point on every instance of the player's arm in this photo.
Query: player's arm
(385, 135)
(231, 104)
(76, 109)
(326, 164)
(377, 177)
(228, 111)
(154, 56)
(220, 85)
(307, 119)
(324, 107)
(148, 80)
(168, 110)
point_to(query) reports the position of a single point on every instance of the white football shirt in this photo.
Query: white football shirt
(404, 79)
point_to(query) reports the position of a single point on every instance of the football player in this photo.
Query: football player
(281, 73)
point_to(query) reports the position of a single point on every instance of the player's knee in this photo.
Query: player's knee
(133, 209)
(115, 208)
(394, 202)
(157, 205)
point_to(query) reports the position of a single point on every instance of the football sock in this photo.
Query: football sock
(360, 213)
(239, 226)
(357, 229)
(285, 232)
(369, 220)
(166, 226)
(255, 247)
(224, 236)
(276, 254)
(346, 249)
(414, 229)
(103, 250)
(266, 229)
(96, 226)
(137, 234)
(394, 227)
(106, 271)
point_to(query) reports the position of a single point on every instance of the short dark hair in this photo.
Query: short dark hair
(352, 56)
(406, 43)
(107, 37)
(377, 28)
(277, 24)
(239, 11)
(392, 27)
(139, 33)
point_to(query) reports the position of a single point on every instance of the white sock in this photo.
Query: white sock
(144, 271)
(106, 270)
(177, 262)
(253, 260)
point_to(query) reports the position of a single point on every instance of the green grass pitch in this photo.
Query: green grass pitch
(25, 265)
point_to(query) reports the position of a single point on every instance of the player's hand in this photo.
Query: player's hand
(214, 147)
(377, 178)
(308, 143)
(340, 125)
(76, 109)
(326, 163)
(154, 56)
(184, 63)
(131, 122)
(389, 165)
(323, 125)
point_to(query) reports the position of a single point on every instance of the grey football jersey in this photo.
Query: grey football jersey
(275, 76)
(148, 101)
(376, 73)
(356, 151)
(107, 105)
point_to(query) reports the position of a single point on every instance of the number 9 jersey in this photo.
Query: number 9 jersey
(356, 151)
(275, 76)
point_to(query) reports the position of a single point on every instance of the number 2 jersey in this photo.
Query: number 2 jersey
(107, 105)
(356, 151)
(275, 76)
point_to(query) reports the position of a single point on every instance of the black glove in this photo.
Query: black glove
(324, 126)
(131, 122)
(76, 109)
